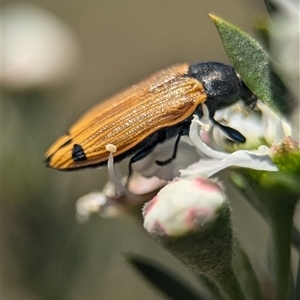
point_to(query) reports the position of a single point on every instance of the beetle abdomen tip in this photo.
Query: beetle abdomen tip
(47, 161)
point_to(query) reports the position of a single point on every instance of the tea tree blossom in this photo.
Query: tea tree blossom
(204, 161)
(187, 210)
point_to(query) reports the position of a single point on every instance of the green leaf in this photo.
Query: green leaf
(164, 280)
(253, 65)
(277, 203)
(241, 184)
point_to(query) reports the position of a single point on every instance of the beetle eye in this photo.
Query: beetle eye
(78, 153)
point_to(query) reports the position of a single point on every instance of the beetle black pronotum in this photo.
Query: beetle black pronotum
(148, 113)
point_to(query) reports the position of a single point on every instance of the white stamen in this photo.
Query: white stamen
(205, 118)
(197, 141)
(111, 148)
(115, 175)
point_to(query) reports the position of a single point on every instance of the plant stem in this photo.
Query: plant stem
(281, 222)
(230, 285)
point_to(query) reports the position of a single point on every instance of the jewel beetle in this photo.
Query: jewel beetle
(148, 113)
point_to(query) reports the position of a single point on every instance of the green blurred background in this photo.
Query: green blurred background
(45, 253)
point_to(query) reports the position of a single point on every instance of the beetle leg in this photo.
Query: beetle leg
(167, 161)
(138, 156)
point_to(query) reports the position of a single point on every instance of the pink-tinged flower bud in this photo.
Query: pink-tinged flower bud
(288, 145)
(286, 155)
(191, 218)
(183, 206)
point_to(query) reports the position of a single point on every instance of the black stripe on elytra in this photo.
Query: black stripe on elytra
(78, 153)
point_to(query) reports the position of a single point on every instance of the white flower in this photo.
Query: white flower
(284, 47)
(196, 158)
(39, 49)
(218, 160)
(259, 126)
(118, 196)
(186, 155)
(95, 202)
(285, 40)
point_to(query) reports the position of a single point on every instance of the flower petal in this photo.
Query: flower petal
(242, 158)
(186, 155)
(96, 202)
